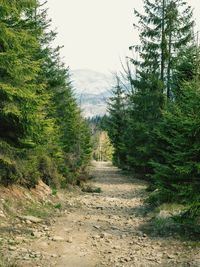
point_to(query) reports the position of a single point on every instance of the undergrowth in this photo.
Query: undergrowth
(39, 210)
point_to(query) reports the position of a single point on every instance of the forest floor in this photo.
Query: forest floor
(111, 228)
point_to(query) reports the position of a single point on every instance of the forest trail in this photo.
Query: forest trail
(108, 229)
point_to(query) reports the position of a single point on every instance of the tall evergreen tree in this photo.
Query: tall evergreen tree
(40, 122)
(64, 119)
(179, 34)
(116, 123)
(19, 71)
(176, 168)
(165, 28)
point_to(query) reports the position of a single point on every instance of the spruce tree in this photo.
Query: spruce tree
(19, 69)
(69, 143)
(179, 34)
(176, 168)
(165, 28)
(41, 125)
(116, 123)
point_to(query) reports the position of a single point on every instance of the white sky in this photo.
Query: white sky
(97, 33)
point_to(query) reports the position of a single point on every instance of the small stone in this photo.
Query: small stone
(57, 238)
(96, 236)
(82, 254)
(19, 238)
(69, 239)
(31, 219)
(24, 250)
(99, 207)
(12, 248)
(97, 226)
(36, 234)
(122, 236)
(114, 228)
(46, 229)
(116, 247)
(67, 229)
(26, 257)
(106, 235)
(108, 241)
(170, 256)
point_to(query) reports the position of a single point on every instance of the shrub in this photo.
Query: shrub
(48, 171)
(8, 171)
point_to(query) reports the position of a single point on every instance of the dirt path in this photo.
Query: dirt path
(107, 229)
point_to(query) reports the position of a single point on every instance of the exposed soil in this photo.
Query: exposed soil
(110, 228)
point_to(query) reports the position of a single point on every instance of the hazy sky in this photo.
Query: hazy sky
(97, 33)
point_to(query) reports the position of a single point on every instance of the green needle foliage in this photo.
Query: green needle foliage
(42, 132)
(176, 168)
(156, 130)
(117, 124)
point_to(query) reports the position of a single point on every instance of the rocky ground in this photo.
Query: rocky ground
(109, 228)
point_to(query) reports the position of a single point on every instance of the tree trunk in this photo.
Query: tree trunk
(163, 42)
(169, 65)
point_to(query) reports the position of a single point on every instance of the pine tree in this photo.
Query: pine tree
(176, 168)
(179, 34)
(19, 69)
(41, 126)
(116, 123)
(65, 131)
(165, 28)
(143, 114)
(186, 69)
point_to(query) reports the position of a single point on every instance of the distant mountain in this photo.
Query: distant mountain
(92, 90)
